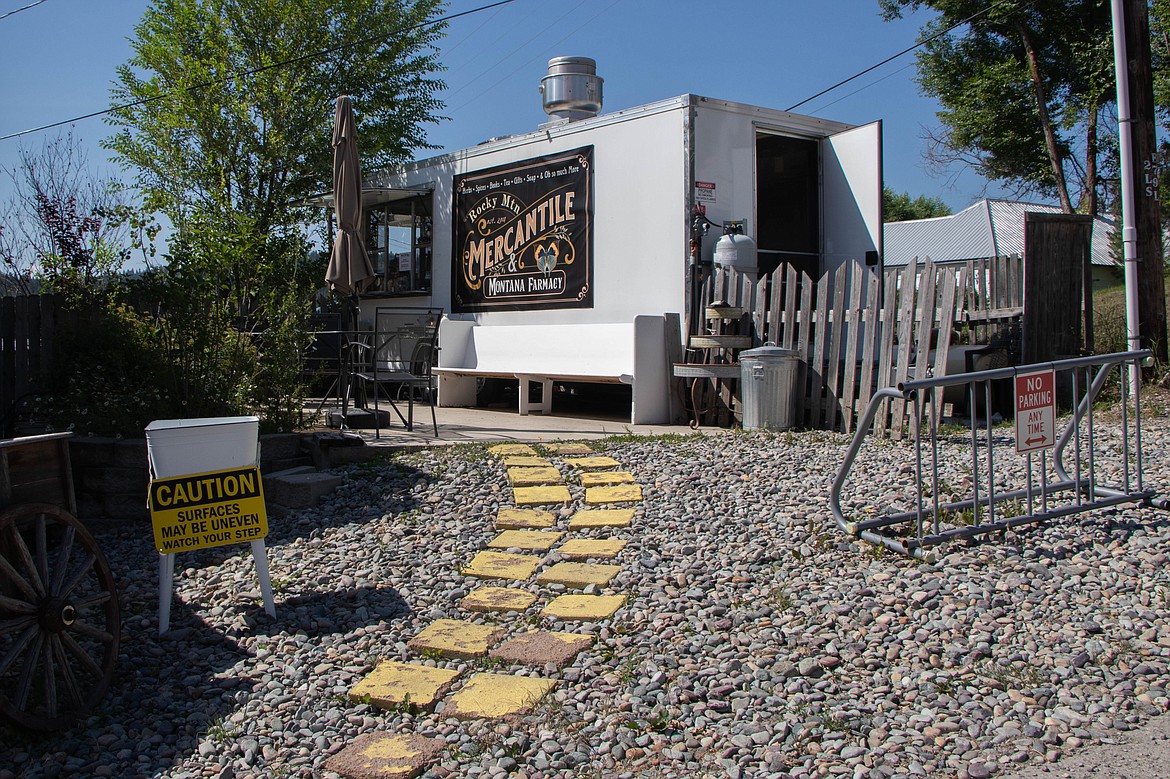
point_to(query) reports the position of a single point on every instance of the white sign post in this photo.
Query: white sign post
(1035, 411)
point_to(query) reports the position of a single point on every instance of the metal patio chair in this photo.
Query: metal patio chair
(402, 354)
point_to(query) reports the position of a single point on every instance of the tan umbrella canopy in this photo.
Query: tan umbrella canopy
(349, 265)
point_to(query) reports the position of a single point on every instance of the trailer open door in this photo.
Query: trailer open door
(852, 196)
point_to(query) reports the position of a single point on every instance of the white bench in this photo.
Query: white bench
(633, 353)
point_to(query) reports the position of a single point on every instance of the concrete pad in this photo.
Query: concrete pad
(579, 574)
(522, 461)
(386, 756)
(581, 548)
(528, 477)
(587, 608)
(496, 696)
(593, 463)
(498, 599)
(618, 493)
(394, 684)
(541, 647)
(566, 448)
(456, 638)
(538, 496)
(502, 449)
(511, 519)
(586, 518)
(530, 540)
(500, 565)
(601, 478)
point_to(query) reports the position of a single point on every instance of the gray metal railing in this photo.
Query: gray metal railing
(1091, 465)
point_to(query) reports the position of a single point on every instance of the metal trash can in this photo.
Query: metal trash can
(768, 387)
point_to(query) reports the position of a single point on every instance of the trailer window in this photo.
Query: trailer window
(398, 240)
(787, 203)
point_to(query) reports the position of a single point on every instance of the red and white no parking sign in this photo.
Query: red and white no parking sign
(1035, 411)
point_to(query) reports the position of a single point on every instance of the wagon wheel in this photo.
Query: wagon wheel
(59, 620)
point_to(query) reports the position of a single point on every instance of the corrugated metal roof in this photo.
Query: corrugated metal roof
(988, 228)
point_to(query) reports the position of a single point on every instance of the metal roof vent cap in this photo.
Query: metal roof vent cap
(572, 88)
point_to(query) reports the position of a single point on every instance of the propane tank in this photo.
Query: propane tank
(735, 250)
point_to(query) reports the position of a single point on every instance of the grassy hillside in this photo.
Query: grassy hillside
(1109, 317)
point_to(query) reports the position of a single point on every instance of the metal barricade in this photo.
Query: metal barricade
(1091, 466)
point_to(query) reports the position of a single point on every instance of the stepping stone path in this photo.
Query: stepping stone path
(538, 485)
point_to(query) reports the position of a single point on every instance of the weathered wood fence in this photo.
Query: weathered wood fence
(27, 325)
(856, 331)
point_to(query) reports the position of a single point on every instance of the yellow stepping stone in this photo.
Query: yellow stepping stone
(566, 448)
(542, 647)
(522, 461)
(536, 496)
(580, 548)
(531, 540)
(498, 599)
(586, 518)
(579, 574)
(394, 684)
(501, 565)
(511, 519)
(456, 638)
(527, 477)
(503, 449)
(600, 478)
(386, 756)
(592, 463)
(492, 696)
(589, 608)
(619, 493)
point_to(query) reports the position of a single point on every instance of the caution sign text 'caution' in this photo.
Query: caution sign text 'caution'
(208, 509)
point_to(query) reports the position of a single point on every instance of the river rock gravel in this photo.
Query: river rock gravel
(756, 641)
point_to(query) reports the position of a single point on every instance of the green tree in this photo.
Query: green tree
(1024, 90)
(224, 115)
(900, 207)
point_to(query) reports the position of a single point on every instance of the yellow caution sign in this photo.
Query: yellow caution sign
(208, 509)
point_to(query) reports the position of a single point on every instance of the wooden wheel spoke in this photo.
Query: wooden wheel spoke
(71, 585)
(42, 549)
(26, 560)
(24, 686)
(9, 626)
(21, 583)
(16, 606)
(62, 560)
(86, 629)
(68, 678)
(99, 599)
(49, 675)
(18, 647)
(79, 652)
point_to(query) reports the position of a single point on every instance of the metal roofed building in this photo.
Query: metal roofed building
(989, 228)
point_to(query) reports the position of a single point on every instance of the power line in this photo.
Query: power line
(18, 10)
(244, 73)
(936, 36)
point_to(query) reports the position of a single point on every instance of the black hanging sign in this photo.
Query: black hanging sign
(524, 235)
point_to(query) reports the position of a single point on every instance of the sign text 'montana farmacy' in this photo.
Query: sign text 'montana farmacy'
(524, 235)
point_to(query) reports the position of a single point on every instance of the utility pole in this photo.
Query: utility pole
(1151, 293)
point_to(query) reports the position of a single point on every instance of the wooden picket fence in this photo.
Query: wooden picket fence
(856, 332)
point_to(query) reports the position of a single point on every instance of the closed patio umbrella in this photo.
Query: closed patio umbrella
(349, 265)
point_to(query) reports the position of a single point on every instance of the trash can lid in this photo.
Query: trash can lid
(769, 351)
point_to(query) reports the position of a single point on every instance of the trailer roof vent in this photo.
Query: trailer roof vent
(572, 89)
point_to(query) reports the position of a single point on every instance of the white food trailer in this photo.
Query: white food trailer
(559, 254)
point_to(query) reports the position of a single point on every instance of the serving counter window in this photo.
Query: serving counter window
(398, 239)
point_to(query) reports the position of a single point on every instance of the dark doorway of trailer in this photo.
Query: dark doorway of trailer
(788, 203)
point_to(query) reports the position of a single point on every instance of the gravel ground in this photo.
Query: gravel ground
(757, 640)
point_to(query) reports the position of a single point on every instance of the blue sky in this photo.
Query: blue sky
(57, 61)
